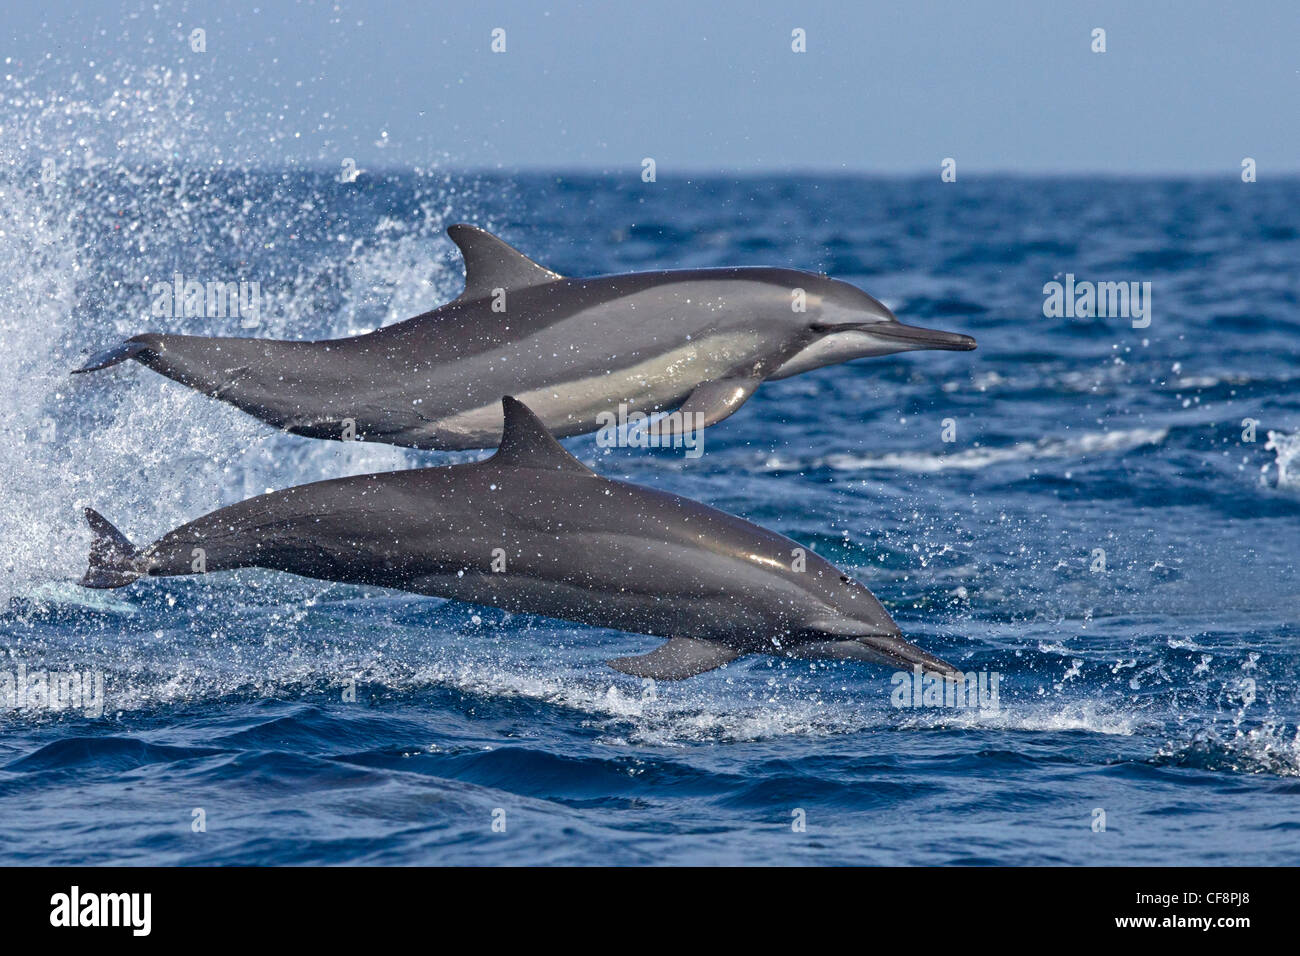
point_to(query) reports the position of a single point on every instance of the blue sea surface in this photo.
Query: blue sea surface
(1148, 710)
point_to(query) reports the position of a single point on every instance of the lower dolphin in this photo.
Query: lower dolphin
(533, 530)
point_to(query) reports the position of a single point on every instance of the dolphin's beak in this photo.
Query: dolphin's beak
(894, 650)
(908, 337)
(916, 337)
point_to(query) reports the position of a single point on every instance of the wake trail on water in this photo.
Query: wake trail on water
(1203, 710)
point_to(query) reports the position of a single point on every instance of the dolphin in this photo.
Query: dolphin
(533, 530)
(697, 341)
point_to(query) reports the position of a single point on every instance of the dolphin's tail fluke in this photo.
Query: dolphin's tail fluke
(112, 556)
(110, 357)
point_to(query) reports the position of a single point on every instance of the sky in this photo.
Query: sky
(892, 88)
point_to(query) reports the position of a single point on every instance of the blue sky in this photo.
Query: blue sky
(1184, 87)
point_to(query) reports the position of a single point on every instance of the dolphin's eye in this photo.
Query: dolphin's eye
(844, 578)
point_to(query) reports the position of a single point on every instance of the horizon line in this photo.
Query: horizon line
(633, 171)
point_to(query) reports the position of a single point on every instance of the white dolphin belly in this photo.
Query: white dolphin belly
(659, 383)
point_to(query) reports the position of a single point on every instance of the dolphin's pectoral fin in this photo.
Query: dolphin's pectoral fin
(490, 264)
(712, 402)
(681, 657)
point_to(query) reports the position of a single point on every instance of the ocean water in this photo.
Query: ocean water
(1147, 712)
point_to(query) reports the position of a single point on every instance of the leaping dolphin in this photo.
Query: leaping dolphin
(531, 529)
(699, 341)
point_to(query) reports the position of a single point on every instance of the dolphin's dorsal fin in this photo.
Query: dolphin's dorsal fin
(490, 264)
(526, 443)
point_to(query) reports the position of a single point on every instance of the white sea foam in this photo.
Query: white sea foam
(75, 254)
(972, 459)
(749, 701)
(1287, 447)
(1266, 749)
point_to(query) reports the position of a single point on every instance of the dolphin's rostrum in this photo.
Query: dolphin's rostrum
(531, 529)
(700, 341)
